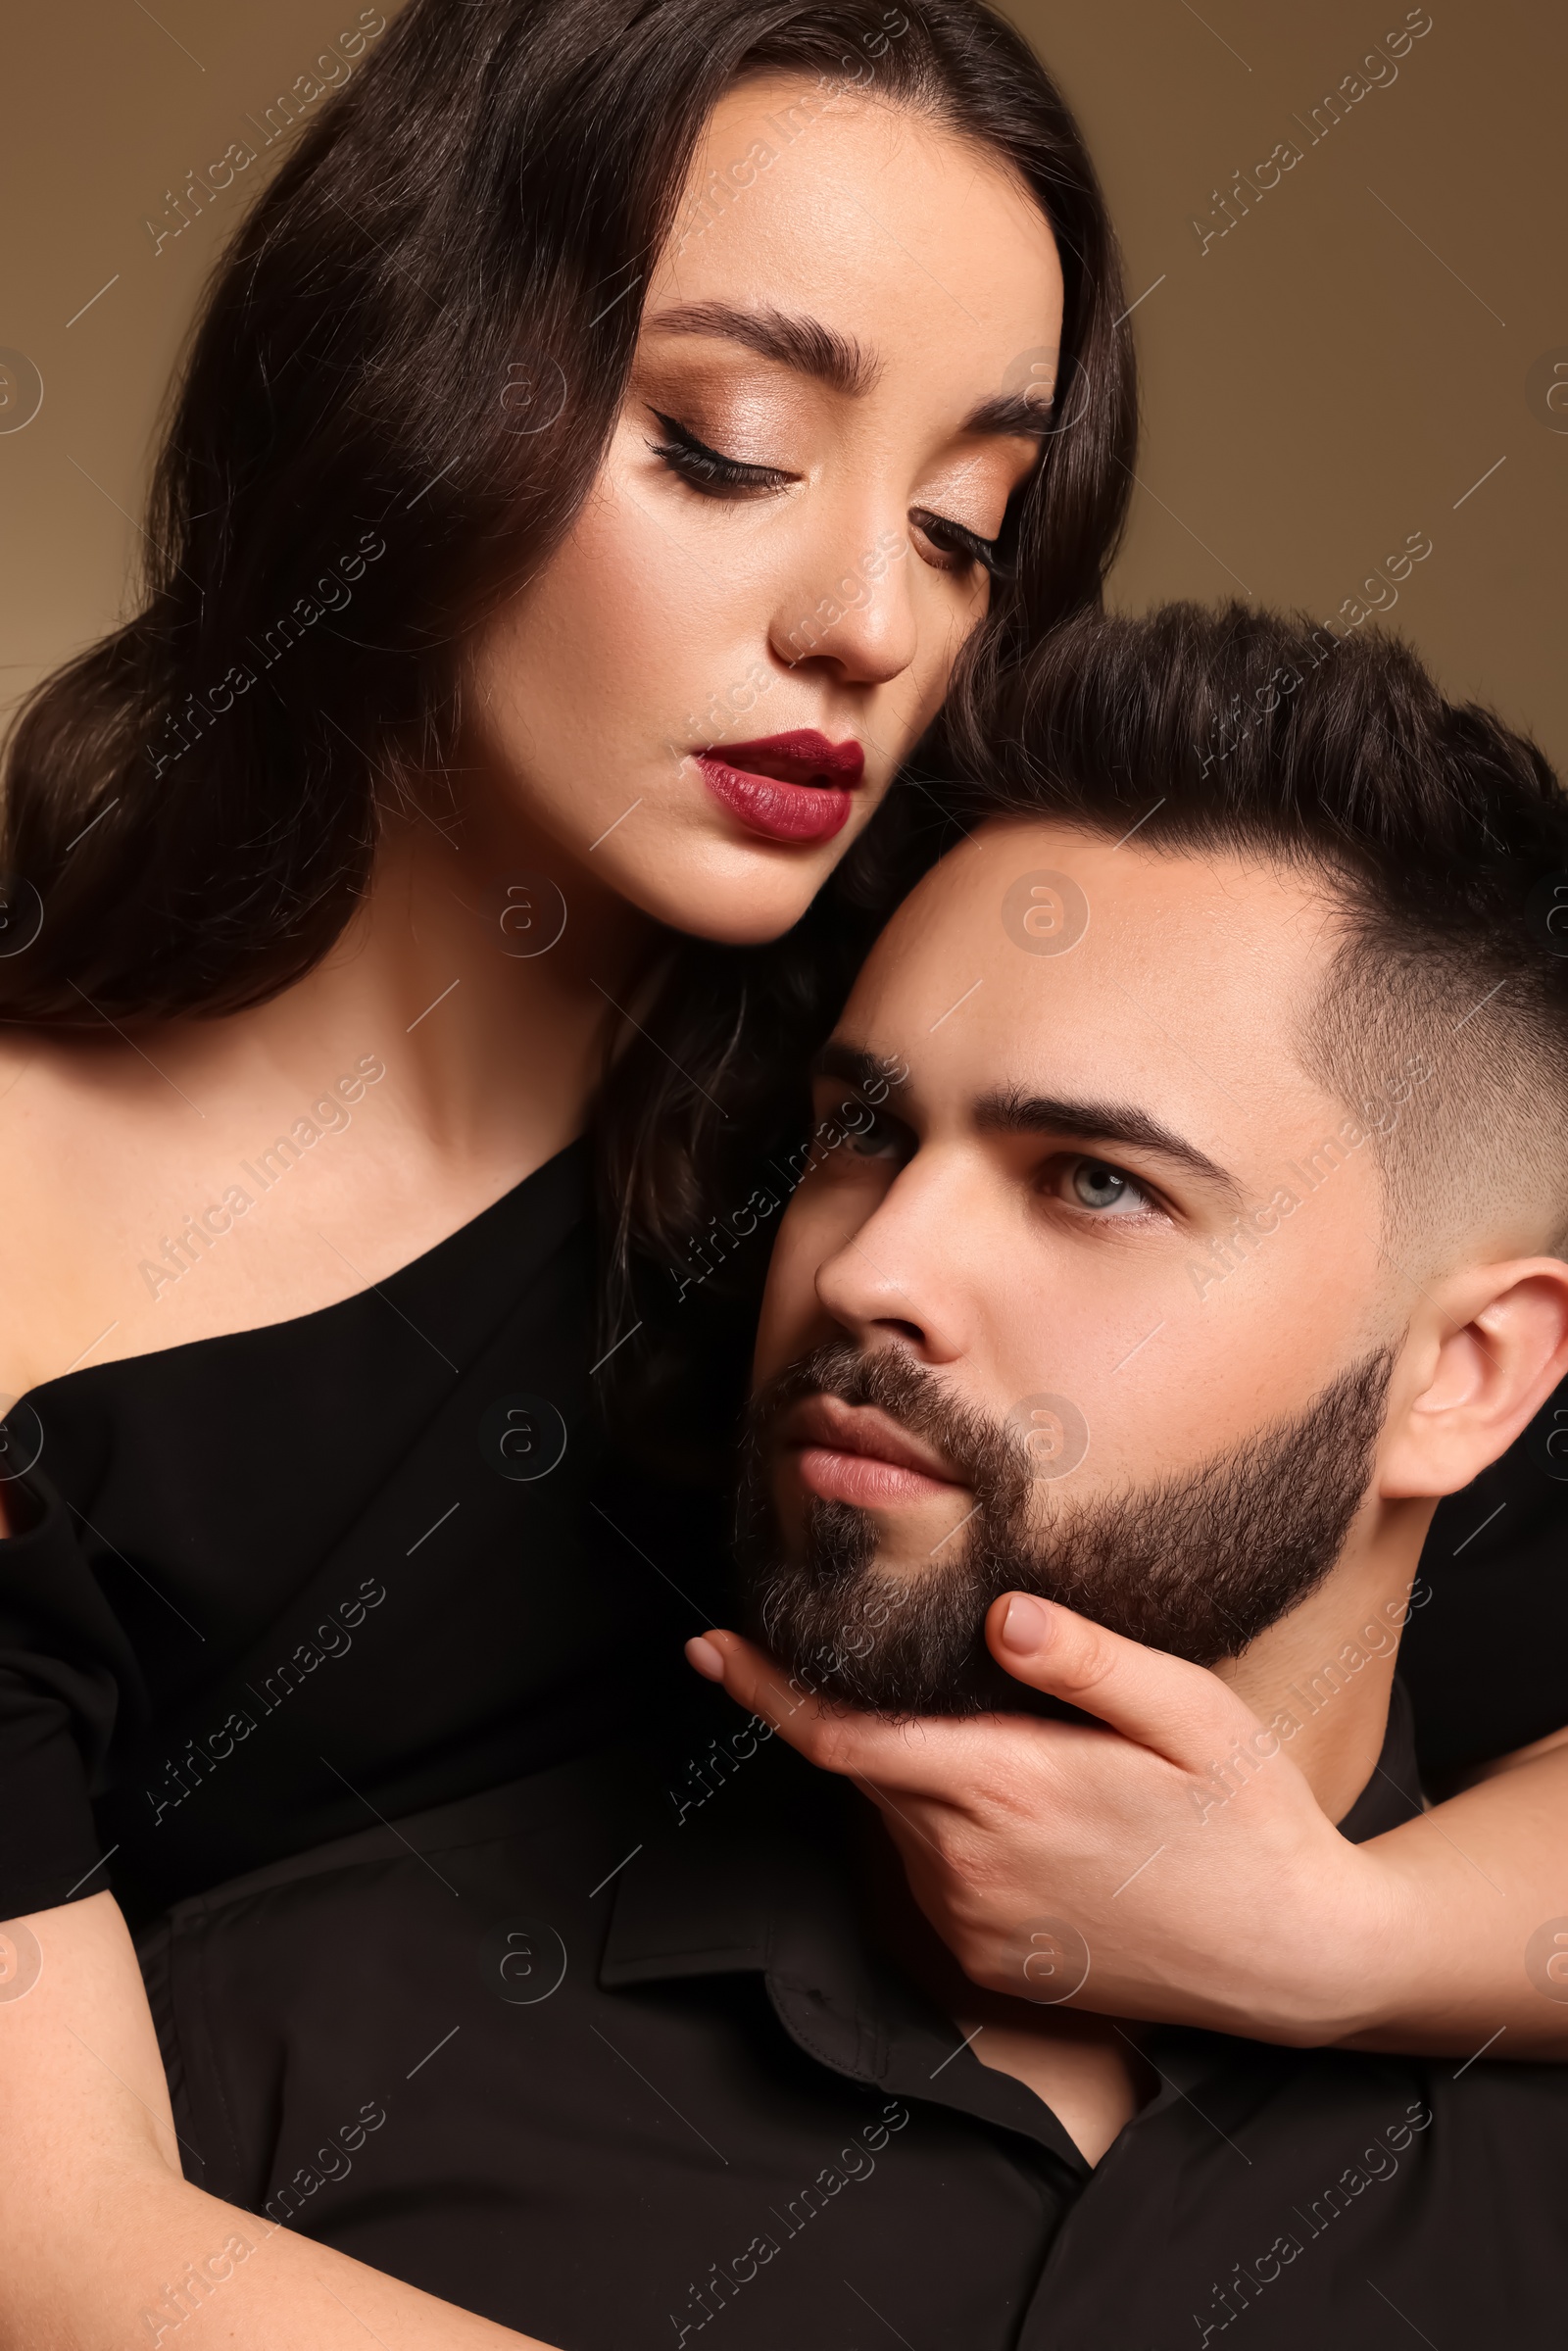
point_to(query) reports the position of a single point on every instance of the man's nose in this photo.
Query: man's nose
(891, 1280)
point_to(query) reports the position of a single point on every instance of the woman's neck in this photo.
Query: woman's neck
(478, 967)
(487, 976)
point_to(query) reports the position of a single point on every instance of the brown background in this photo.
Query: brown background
(1333, 374)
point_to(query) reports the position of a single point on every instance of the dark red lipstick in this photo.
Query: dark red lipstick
(794, 787)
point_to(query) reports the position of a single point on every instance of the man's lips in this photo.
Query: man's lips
(855, 1453)
(793, 787)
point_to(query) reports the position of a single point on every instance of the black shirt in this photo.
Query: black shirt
(1486, 1650)
(298, 1578)
(620, 2069)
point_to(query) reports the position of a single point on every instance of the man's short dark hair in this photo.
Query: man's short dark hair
(1440, 834)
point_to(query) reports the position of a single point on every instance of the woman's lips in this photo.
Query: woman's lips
(855, 1453)
(794, 787)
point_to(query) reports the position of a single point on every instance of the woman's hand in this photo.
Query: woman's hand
(1108, 1862)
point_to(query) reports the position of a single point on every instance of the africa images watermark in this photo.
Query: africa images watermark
(200, 2281)
(333, 2161)
(853, 2166)
(332, 1638)
(333, 68)
(1382, 593)
(197, 2284)
(1377, 1637)
(1378, 72)
(850, 593)
(826, 1137)
(1376, 2165)
(705, 1775)
(328, 1115)
(197, 716)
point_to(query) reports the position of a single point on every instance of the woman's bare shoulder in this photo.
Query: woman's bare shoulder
(91, 1169)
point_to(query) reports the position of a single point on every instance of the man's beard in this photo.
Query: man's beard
(1198, 1564)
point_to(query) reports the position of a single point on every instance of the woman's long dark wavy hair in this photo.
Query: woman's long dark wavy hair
(475, 212)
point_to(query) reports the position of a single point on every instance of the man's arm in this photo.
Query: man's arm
(105, 2244)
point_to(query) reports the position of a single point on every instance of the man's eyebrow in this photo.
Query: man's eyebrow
(1009, 1110)
(802, 343)
(854, 1064)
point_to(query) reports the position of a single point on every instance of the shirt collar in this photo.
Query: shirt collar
(760, 1879)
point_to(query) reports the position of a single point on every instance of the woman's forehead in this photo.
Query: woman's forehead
(874, 218)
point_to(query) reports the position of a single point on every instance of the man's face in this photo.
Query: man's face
(1087, 1298)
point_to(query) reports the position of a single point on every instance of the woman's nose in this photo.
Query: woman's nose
(859, 617)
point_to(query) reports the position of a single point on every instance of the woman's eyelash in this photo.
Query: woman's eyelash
(708, 469)
(717, 475)
(953, 539)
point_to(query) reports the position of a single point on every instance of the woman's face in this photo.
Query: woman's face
(702, 695)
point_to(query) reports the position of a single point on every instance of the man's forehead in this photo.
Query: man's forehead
(1133, 883)
(1037, 949)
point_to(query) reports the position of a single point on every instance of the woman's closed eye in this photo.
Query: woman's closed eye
(709, 470)
(956, 548)
(945, 545)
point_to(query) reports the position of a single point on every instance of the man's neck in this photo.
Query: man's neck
(1321, 1677)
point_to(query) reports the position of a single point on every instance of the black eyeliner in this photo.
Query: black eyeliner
(685, 454)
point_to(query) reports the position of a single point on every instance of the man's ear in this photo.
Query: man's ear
(1496, 1347)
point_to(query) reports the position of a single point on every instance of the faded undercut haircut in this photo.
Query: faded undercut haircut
(1440, 835)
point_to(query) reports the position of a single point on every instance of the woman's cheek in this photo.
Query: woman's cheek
(665, 625)
(943, 639)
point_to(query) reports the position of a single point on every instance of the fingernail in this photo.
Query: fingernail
(1026, 1625)
(706, 1658)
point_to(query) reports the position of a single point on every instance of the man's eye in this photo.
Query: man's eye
(1097, 1185)
(876, 1141)
(863, 1136)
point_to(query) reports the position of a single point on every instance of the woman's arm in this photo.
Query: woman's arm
(106, 2242)
(1067, 1847)
(1486, 1878)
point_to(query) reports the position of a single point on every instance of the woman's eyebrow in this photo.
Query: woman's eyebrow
(1009, 1110)
(811, 349)
(802, 343)
(1022, 416)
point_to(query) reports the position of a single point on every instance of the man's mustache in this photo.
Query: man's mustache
(980, 1452)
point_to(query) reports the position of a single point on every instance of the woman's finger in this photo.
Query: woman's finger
(921, 1758)
(1180, 1711)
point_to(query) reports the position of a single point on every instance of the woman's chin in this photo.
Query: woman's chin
(741, 892)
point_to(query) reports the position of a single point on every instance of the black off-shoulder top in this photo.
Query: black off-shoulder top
(287, 1583)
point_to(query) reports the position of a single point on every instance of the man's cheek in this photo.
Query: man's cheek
(793, 1319)
(780, 1307)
